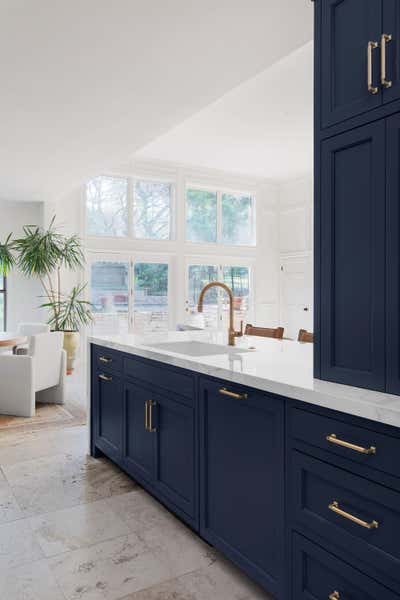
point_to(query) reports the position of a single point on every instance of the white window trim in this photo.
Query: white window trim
(131, 258)
(219, 191)
(132, 179)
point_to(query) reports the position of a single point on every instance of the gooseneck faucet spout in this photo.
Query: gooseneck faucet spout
(231, 331)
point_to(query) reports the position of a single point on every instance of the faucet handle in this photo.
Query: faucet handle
(240, 332)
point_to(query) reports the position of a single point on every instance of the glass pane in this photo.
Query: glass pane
(150, 297)
(109, 295)
(238, 279)
(201, 216)
(199, 276)
(107, 206)
(2, 312)
(237, 220)
(152, 210)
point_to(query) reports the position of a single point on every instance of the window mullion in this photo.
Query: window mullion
(131, 196)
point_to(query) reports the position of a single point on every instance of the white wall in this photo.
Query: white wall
(23, 295)
(295, 241)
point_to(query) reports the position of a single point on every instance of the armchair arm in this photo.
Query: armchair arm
(17, 395)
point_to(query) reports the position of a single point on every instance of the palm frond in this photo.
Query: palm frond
(71, 313)
(7, 259)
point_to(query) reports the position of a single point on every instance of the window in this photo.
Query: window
(107, 206)
(150, 297)
(219, 217)
(201, 216)
(2, 303)
(129, 295)
(152, 210)
(216, 302)
(237, 220)
(109, 295)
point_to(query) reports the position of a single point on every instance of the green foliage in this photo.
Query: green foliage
(7, 260)
(70, 312)
(43, 253)
(152, 277)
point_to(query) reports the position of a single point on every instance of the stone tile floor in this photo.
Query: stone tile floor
(73, 527)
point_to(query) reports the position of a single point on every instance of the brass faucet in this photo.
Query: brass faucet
(231, 331)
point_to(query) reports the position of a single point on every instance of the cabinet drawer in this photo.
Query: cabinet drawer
(318, 575)
(347, 441)
(161, 376)
(351, 512)
(106, 359)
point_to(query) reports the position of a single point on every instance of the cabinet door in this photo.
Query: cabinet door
(108, 414)
(241, 475)
(139, 442)
(346, 28)
(391, 26)
(393, 255)
(352, 257)
(176, 464)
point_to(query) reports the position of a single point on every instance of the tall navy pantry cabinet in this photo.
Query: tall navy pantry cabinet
(357, 192)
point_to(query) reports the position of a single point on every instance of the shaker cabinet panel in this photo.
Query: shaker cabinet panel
(108, 414)
(347, 26)
(352, 254)
(139, 442)
(241, 456)
(391, 28)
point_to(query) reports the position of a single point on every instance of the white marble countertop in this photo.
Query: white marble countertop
(282, 367)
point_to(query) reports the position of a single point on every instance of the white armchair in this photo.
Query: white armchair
(28, 330)
(38, 376)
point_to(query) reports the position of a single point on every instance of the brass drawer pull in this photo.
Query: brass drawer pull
(150, 428)
(334, 596)
(146, 415)
(372, 89)
(334, 506)
(384, 39)
(105, 378)
(104, 359)
(226, 392)
(334, 440)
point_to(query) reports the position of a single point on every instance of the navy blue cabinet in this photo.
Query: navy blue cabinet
(108, 413)
(139, 440)
(391, 28)
(241, 464)
(347, 26)
(175, 470)
(352, 257)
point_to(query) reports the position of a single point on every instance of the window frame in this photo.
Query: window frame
(220, 263)
(3, 292)
(132, 257)
(220, 191)
(132, 179)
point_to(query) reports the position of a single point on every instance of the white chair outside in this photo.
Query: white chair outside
(38, 376)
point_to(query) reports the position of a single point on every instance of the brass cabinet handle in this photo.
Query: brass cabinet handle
(105, 378)
(371, 88)
(150, 428)
(334, 507)
(104, 359)
(146, 415)
(384, 40)
(226, 392)
(334, 596)
(334, 440)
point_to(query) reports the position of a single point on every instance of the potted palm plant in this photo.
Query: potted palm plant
(44, 254)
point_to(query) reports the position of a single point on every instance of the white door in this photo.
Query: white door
(296, 295)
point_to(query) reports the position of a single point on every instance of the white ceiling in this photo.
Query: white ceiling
(263, 128)
(86, 83)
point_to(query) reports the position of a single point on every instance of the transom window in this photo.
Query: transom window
(3, 292)
(125, 207)
(220, 217)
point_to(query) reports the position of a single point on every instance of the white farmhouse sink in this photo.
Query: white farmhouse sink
(192, 348)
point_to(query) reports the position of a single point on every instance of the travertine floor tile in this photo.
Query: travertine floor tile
(18, 544)
(77, 527)
(33, 581)
(107, 571)
(9, 509)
